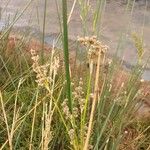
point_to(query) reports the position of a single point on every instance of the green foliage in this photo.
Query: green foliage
(56, 114)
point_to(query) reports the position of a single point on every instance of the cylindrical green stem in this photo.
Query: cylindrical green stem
(43, 34)
(66, 52)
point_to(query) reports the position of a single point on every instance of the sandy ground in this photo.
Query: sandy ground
(115, 22)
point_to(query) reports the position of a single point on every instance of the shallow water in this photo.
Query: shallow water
(115, 22)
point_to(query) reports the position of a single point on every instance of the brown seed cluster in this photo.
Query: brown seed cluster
(44, 72)
(78, 102)
(78, 96)
(94, 46)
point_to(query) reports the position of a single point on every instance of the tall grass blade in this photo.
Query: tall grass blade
(66, 52)
(43, 34)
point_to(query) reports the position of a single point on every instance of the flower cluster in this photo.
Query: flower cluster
(66, 109)
(44, 72)
(71, 134)
(78, 95)
(94, 47)
(78, 102)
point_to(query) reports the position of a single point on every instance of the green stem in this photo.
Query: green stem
(43, 34)
(66, 52)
